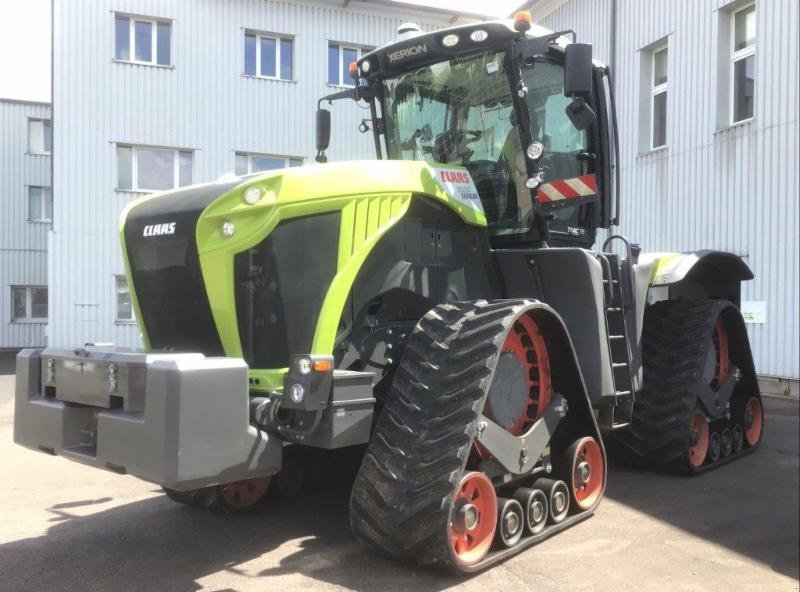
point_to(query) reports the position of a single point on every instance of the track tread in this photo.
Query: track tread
(675, 338)
(400, 503)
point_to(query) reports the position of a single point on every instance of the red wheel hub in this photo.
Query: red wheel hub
(243, 494)
(698, 444)
(526, 343)
(474, 518)
(722, 367)
(588, 473)
(753, 421)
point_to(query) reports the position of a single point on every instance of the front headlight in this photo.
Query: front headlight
(252, 195)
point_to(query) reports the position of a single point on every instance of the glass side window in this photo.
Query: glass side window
(549, 122)
(563, 142)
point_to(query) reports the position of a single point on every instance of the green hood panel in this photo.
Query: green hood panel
(371, 197)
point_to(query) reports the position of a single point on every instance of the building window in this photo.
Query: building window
(658, 98)
(40, 136)
(143, 41)
(268, 56)
(339, 59)
(29, 303)
(40, 204)
(247, 163)
(146, 168)
(123, 299)
(743, 61)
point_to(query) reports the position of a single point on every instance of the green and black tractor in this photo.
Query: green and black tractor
(439, 312)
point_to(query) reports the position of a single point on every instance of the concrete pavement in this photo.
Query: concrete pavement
(64, 526)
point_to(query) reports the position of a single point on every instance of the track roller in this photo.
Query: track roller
(586, 477)
(738, 438)
(753, 421)
(474, 517)
(714, 446)
(698, 439)
(510, 522)
(535, 507)
(726, 441)
(557, 494)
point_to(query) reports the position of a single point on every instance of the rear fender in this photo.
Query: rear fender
(699, 275)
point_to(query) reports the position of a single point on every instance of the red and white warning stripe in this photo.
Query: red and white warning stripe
(584, 186)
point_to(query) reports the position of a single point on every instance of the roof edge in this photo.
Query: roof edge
(26, 102)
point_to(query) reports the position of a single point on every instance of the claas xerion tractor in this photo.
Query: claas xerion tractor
(439, 312)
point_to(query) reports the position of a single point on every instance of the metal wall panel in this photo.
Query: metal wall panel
(733, 188)
(23, 244)
(202, 103)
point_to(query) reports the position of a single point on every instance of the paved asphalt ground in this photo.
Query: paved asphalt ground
(64, 526)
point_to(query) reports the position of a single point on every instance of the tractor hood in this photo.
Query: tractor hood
(192, 254)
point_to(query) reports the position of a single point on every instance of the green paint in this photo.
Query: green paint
(371, 196)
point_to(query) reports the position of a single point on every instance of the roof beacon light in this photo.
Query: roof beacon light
(522, 20)
(353, 70)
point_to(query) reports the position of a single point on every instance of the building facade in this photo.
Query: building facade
(26, 211)
(707, 94)
(150, 95)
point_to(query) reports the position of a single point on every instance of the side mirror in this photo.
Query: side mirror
(578, 70)
(580, 114)
(323, 129)
(323, 134)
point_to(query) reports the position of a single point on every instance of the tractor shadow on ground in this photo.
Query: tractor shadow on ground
(157, 544)
(749, 506)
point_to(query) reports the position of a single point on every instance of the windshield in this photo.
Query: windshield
(460, 112)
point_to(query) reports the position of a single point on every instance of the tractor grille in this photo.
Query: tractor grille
(280, 286)
(166, 274)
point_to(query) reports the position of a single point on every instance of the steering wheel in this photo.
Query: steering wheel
(453, 142)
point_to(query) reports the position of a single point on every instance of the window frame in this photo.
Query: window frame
(117, 318)
(176, 152)
(737, 56)
(43, 219)
(259, 35)
(361, 51)
(29, 318)
(154, 22)
(655, 90)
(45, 123)
(251, 155)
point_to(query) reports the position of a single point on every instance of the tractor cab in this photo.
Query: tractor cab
(520, 108)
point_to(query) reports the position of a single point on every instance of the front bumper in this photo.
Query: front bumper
(178, 420)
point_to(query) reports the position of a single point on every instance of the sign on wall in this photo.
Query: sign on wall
(754, 311)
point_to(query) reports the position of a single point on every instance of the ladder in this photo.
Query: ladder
(617, 412)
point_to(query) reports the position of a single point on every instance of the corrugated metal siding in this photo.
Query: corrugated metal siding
(203, 103)
(734, 189)
(22, 244)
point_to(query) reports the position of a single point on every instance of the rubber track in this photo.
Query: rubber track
(675, 340)
(400, 503)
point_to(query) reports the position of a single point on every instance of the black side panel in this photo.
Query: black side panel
(571, 281)
(165, 270)
(429, 257)
(280, 286)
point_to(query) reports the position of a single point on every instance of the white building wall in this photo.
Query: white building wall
(732, 188)
(23, 244)
(203, 103)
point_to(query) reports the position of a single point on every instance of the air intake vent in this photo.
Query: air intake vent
(281, 284)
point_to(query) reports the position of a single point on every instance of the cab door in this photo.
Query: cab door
(571, 186)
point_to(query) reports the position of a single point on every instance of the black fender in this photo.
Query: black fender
(700, 275)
